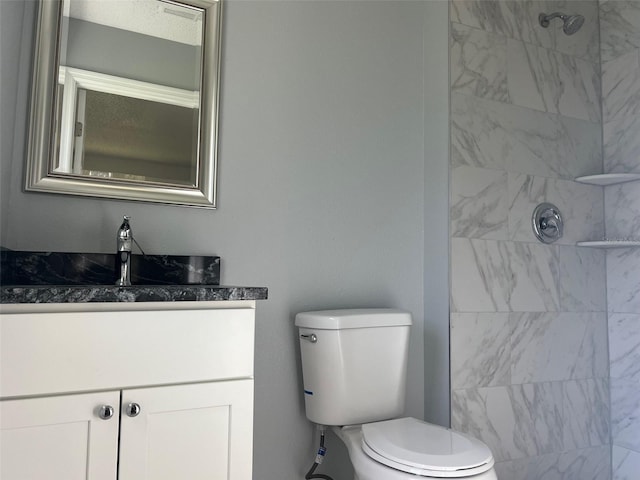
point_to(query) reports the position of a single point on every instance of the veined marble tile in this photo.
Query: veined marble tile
(619, 28)
(623, 210)
(478, 203)
(582, 281)
(581, 151)
(480, 276)
(490, 276)
(480, 350)
(515, 422)
(479, 133)
(519, 20)
(623, 280)
(550, 81)
(621, 86)
(534, 277)
(488, 414)
(586, 413)
(525, 193)
(557, 346)
(584, 464)
(538, 408)
(625, 463)
(510, 19)
(582, 206)
(585, 43)
(593, 355)
(621, 145)
(491, 134)
(592, 358)
(625, 412)
(624, 345)
(478, 63)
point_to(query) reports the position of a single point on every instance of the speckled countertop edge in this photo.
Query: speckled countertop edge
(11, 294)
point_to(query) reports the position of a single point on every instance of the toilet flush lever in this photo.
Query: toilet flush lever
(312, 337)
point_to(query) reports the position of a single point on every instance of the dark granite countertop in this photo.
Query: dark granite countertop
(136, 293)
(67, 277)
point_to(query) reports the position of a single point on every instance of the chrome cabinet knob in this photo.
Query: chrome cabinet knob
(105, 412)
(133, 410)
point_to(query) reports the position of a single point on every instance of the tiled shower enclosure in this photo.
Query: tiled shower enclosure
(545, 339)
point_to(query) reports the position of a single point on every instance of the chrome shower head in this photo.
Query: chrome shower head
(571, 23)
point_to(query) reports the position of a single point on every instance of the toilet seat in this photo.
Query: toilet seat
(420, 448)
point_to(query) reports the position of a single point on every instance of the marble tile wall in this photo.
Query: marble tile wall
(620, 50)
(529, 363)
(620, 26)
(625, 463)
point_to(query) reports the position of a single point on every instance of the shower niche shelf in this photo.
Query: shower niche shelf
(610, 244)
(605, 179)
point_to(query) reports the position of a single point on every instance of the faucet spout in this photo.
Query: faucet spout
(124, 239)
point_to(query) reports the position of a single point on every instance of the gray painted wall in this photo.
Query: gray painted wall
(332, 157)
(436, 212)
(15, 51)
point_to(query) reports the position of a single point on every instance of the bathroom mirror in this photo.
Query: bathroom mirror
(124, 100)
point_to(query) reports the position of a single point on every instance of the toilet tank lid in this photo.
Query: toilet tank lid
(353, 318)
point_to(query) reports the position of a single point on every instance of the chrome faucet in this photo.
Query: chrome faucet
(123, 252)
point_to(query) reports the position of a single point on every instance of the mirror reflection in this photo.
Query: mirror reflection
(134, 109)
(129, 87)
(133, 139)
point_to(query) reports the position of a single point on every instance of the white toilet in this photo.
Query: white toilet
(354, 366)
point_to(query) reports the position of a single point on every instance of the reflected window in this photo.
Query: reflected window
(133, 139)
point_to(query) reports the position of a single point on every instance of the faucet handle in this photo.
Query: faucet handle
(125, 222)
(124, 238)
(124, 235)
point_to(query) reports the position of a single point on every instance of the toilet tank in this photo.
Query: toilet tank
(354, 364)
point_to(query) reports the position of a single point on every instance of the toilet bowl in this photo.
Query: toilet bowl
(409, 449)
(354, 365)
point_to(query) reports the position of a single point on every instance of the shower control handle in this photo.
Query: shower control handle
(547, 223)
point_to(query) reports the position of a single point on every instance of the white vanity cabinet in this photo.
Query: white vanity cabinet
(198, 431)
(58, 437)
(138, 392)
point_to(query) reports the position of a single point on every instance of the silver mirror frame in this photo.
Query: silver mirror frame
(41, 121)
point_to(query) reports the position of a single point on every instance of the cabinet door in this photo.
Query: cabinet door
(196, 431)
(58, 438)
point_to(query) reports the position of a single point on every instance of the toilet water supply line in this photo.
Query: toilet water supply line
(319, 457)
